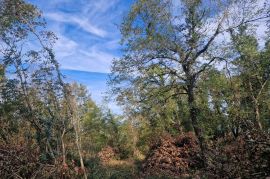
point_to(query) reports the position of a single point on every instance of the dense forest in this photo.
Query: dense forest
(193, 83)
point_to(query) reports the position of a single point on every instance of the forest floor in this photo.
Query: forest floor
(247, 156)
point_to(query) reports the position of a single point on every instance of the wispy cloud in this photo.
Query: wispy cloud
(72, 56)
(92, 60)
(87, 31)
(88, 37)
(103, 5)
(65, 46)
(80, 21)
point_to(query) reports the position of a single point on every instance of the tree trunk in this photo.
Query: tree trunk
(193, 110)
(63, 147)
(51, 151)
(76, 126)
(256, 106)
(257, 115)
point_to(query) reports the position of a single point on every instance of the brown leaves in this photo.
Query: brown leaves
(106, 154)
(17, 161)
(248, 156)
(172, 157)
(20, 161)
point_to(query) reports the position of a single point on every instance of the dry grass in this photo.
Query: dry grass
(117, 163)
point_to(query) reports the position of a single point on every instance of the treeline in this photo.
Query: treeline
(189, 66)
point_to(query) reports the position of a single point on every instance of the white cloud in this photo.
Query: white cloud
(82, 22)
(92, 59)
(261, 33)
(104, 5)
(65, 46)
(93, 42)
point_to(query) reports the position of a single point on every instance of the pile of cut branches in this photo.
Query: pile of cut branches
(17, 161)
(172, 156)
(107, 153)
(247, 156)
(20, 161)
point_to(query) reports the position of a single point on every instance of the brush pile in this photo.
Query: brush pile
(17, 161)
(20, 161)
(172, 157)
(107, 153)
(247, 156)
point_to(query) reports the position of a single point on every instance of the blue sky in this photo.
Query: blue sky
(96, 83)
(88, 38)
(87, 31)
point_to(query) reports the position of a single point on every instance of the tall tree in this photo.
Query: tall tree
(47, 101)
(181, 38)
(253, 69)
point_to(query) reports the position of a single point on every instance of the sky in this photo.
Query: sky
(87, 30)
(88, 39)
